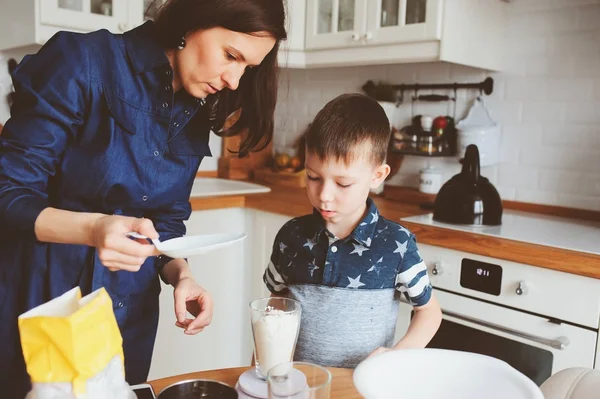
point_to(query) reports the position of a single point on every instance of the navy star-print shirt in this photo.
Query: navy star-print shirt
(378, 254)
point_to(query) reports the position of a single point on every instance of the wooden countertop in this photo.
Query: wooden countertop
(293, 202)
(341, 383)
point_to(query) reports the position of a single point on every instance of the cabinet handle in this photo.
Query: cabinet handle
(355, 37)
(367, 36)
(123, 26)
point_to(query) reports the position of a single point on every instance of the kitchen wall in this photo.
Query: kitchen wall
(547, 100)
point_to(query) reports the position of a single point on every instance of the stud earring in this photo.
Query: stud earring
(181, 43)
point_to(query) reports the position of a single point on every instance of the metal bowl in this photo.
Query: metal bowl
(195, 389)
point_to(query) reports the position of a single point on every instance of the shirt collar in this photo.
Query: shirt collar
(363, 233)
(144, 49)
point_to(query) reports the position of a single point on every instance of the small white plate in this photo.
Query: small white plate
(182, 247)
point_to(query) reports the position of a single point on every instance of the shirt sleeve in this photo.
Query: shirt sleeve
(51, 93)
(169, 222)
(273, 277)
(412, 278)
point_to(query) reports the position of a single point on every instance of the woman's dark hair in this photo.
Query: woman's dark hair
(256, 95)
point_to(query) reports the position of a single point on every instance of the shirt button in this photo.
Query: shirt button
(167, 88)
(120, 305)
(175, 124)
(156, 153)
(165, 105)
(334, 249)
(168, 72)
(187, 112)
(145, 198)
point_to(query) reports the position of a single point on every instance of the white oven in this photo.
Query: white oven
(538, 320)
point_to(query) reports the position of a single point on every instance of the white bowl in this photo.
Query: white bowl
(439, 373)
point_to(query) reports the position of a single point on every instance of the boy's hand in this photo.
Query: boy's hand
(378, 351)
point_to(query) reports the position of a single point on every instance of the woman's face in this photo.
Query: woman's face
(216, 58)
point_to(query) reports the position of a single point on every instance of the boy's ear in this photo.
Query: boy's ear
(379, 175)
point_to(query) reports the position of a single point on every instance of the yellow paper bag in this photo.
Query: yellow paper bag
(73, 345)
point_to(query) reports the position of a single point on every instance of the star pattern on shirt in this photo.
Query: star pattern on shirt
(310, 243)
(282, 247)
(401, 248)
(358, 249)
(368, 242)
(355, 282)
(375, 217)
(374, 268)
(311, 269)
(404, 230)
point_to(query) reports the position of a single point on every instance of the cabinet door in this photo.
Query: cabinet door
(266, 225)
(401, 21)
(227, 342)
(86, 15)
(335, 23)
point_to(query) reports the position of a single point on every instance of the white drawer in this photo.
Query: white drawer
(551, 293)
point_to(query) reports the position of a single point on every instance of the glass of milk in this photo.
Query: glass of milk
(275, 326)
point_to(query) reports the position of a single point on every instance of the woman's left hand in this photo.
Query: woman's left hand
(190, 297)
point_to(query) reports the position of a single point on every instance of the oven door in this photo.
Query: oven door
(534, 345)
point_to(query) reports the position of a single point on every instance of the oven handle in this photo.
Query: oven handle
(559, 343)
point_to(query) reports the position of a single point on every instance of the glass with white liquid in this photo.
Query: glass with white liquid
(275, 326)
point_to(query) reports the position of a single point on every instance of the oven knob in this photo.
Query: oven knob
(522, 288)
(437, 269)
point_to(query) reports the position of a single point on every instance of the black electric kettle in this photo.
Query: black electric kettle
(468, 198)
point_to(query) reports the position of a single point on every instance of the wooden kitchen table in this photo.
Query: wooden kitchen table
(341, 384)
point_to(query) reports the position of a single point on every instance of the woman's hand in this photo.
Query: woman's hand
(117, 251)
(190, 297)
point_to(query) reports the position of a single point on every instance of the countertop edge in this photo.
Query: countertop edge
(286, 201)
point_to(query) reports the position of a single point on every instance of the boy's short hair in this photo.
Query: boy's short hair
(346, 122)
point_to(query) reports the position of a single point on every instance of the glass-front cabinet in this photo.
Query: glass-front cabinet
(89, 15)
(398, 21)
(334, 23)
(347, 23)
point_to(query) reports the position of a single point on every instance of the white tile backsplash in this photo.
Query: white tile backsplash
(547, 100)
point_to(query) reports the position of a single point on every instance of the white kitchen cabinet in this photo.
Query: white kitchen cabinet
(227, 342)
(31, 22)
(343, 23)
(372, 32)
(291, 53)
(335, 23)
(265, 226)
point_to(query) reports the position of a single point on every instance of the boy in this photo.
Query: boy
(346, 264)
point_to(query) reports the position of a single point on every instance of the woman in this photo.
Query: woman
(106, 135)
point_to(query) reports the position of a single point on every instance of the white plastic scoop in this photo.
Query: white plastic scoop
(182, 247)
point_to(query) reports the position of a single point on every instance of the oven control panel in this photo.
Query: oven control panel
(481, 276)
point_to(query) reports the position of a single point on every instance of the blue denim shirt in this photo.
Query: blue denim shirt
(95, 127)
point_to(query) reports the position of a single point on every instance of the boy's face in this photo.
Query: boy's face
(339, 189)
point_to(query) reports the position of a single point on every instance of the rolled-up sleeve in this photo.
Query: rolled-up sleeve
(168, 222)
(51, 92)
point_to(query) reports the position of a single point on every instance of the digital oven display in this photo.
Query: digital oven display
(481, 276)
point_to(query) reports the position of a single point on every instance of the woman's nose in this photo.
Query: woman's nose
(232, 76)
